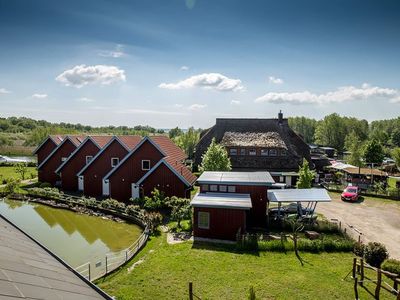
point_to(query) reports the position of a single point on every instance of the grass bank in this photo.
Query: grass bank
(220, 272)
(8, 172)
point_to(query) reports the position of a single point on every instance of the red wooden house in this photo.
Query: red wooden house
(90, 178)
(229, 202)
(156, 162)
(78, 159)
(47, 168)
(46, 147)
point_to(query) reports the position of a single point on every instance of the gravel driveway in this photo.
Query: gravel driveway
(377, 219)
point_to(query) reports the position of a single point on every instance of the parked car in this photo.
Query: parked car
(351, 193)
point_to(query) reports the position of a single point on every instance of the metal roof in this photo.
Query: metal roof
(222, 200)
(299, 195)
(29, 271)
(240, 178)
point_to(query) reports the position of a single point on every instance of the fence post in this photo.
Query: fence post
(89, 271)
(378, 284)
(362, 271)
(190, 290)
(106, 265)
(356, 288)
(126, 255)
(354, 266)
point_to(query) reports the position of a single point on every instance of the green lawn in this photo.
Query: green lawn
(220, 273)
(7, 172)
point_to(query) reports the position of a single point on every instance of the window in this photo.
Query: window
(222, 188)
(203, 220)
(281, 179)
(145, 165)
(204, 187)
(264, 152)
(114, 161)
(88, 159)
(233, 151)
(231, 189)
(214, 188)
(63, 158)
(273, 152)
(242, 151)
(252, 152)
(283, 152)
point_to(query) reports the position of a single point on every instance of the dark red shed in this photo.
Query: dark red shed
(46, 147)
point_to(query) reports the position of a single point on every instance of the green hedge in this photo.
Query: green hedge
(391, 265)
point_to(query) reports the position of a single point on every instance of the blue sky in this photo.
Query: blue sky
(173, 63)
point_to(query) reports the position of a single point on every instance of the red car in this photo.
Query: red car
(350, 193)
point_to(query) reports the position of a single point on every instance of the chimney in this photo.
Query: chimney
(280, 117)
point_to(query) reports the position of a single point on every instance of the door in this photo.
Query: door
(80, 183)
(106, 187)
(289, 181)
(135, 191)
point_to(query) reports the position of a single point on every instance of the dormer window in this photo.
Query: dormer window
(252, 152)
(114, 161)
(145, 165)
(233, 151)
(243, 151)
(264, 152)
(273, 152)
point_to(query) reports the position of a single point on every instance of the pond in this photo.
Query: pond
(76, 238)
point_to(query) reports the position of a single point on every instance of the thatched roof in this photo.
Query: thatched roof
(253, 139)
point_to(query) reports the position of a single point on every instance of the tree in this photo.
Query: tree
(373, 152)
(188, 140)
(180, 209)
(305, 176)
(21, 169)
(304, 126)
(396, 157)
(355, 147)
(396, 137)
(331, 131)
(215, 158)
(174, 132)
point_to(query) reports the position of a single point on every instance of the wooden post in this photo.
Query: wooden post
(362, 271)
(354, 266)
(359, 238)
(356, 288)
(126, 255)
(378, 283)
(190, 290)
(106, 265)
(89, 271)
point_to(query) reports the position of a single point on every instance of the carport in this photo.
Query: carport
(310, 197)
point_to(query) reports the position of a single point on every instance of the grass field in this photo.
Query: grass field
(218, 272)
(7, 172)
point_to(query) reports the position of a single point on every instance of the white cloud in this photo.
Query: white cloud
(4, 91)
(235, 102)
(184, 68)
(39, 96)
(116, 53)
(197, 107)
(85, 99)
(150, 112)
(208, 81)
(176, 105)
(82, 75)
(341, 94)
(275, 80)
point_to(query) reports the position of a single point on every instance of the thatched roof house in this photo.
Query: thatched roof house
(256, 144)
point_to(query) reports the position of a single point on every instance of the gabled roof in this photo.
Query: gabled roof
(181, 171)
(99, 140)
(129, 142)
(56, 139)
(74, 139)
(169, 147)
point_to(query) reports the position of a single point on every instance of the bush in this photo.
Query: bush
(138, 201)
(157, 200)
(153, 220)
(11, 186)
(45, 185)
(112, 204)
(392, 266)
(133, 210)
(359, 249)
(89, 202)
(375, 253)
(47, 193)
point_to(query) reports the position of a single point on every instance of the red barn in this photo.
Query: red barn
(90, 178)
(78, 159)
(156, 162)
(47, 168)
(46, 147)
(230, 201)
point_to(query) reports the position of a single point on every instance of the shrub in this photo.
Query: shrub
(359, 249)
(391, 265)
(133, 210)
(375, 253)
(91, 202)
(112, 204)
(138, 201)
(45, 185)
(11, 186)
(157, 200)
(47, 193)
(153, 220)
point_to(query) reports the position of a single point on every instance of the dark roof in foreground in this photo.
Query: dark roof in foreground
(240, 178)
(222, 200)
(28, 271)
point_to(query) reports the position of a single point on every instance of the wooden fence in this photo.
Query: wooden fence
(381, 282)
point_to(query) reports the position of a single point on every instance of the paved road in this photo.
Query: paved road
(377, 219)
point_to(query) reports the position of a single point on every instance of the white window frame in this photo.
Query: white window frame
(213, 188)
(203, 220)
(233, 151)
(146, 160)
(273, 152)
(253, 153)
(89, 157)
(243, 151)
(112, 161)
(264, 152)
(223, 188)
(231, 189)
(204, 187)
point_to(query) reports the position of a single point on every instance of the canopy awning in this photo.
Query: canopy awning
(299, 195)
(222, 200)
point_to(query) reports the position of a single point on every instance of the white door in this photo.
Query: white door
(106, 187)
(289, 180)
(135, 191)
(80, 183)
